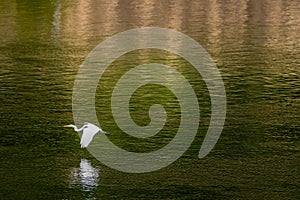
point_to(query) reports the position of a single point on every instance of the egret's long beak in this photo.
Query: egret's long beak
(66, 125)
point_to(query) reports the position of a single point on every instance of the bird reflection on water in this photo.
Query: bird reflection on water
(86, 176)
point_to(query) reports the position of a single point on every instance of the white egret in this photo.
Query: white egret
(89, 130)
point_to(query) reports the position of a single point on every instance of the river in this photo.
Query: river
(256, 47)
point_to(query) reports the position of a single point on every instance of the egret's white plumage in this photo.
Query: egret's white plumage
(89, 130)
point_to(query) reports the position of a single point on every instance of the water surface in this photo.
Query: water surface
(256, 46)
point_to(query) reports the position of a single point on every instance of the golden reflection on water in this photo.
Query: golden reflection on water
(77, 19)
(217, 21)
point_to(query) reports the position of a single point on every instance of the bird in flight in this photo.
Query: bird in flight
(89, 130)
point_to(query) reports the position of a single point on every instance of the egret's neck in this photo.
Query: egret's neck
(78, 129)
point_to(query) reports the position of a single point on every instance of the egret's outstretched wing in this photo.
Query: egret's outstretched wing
(88, 134)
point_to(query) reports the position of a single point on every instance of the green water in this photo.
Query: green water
(256, 46)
